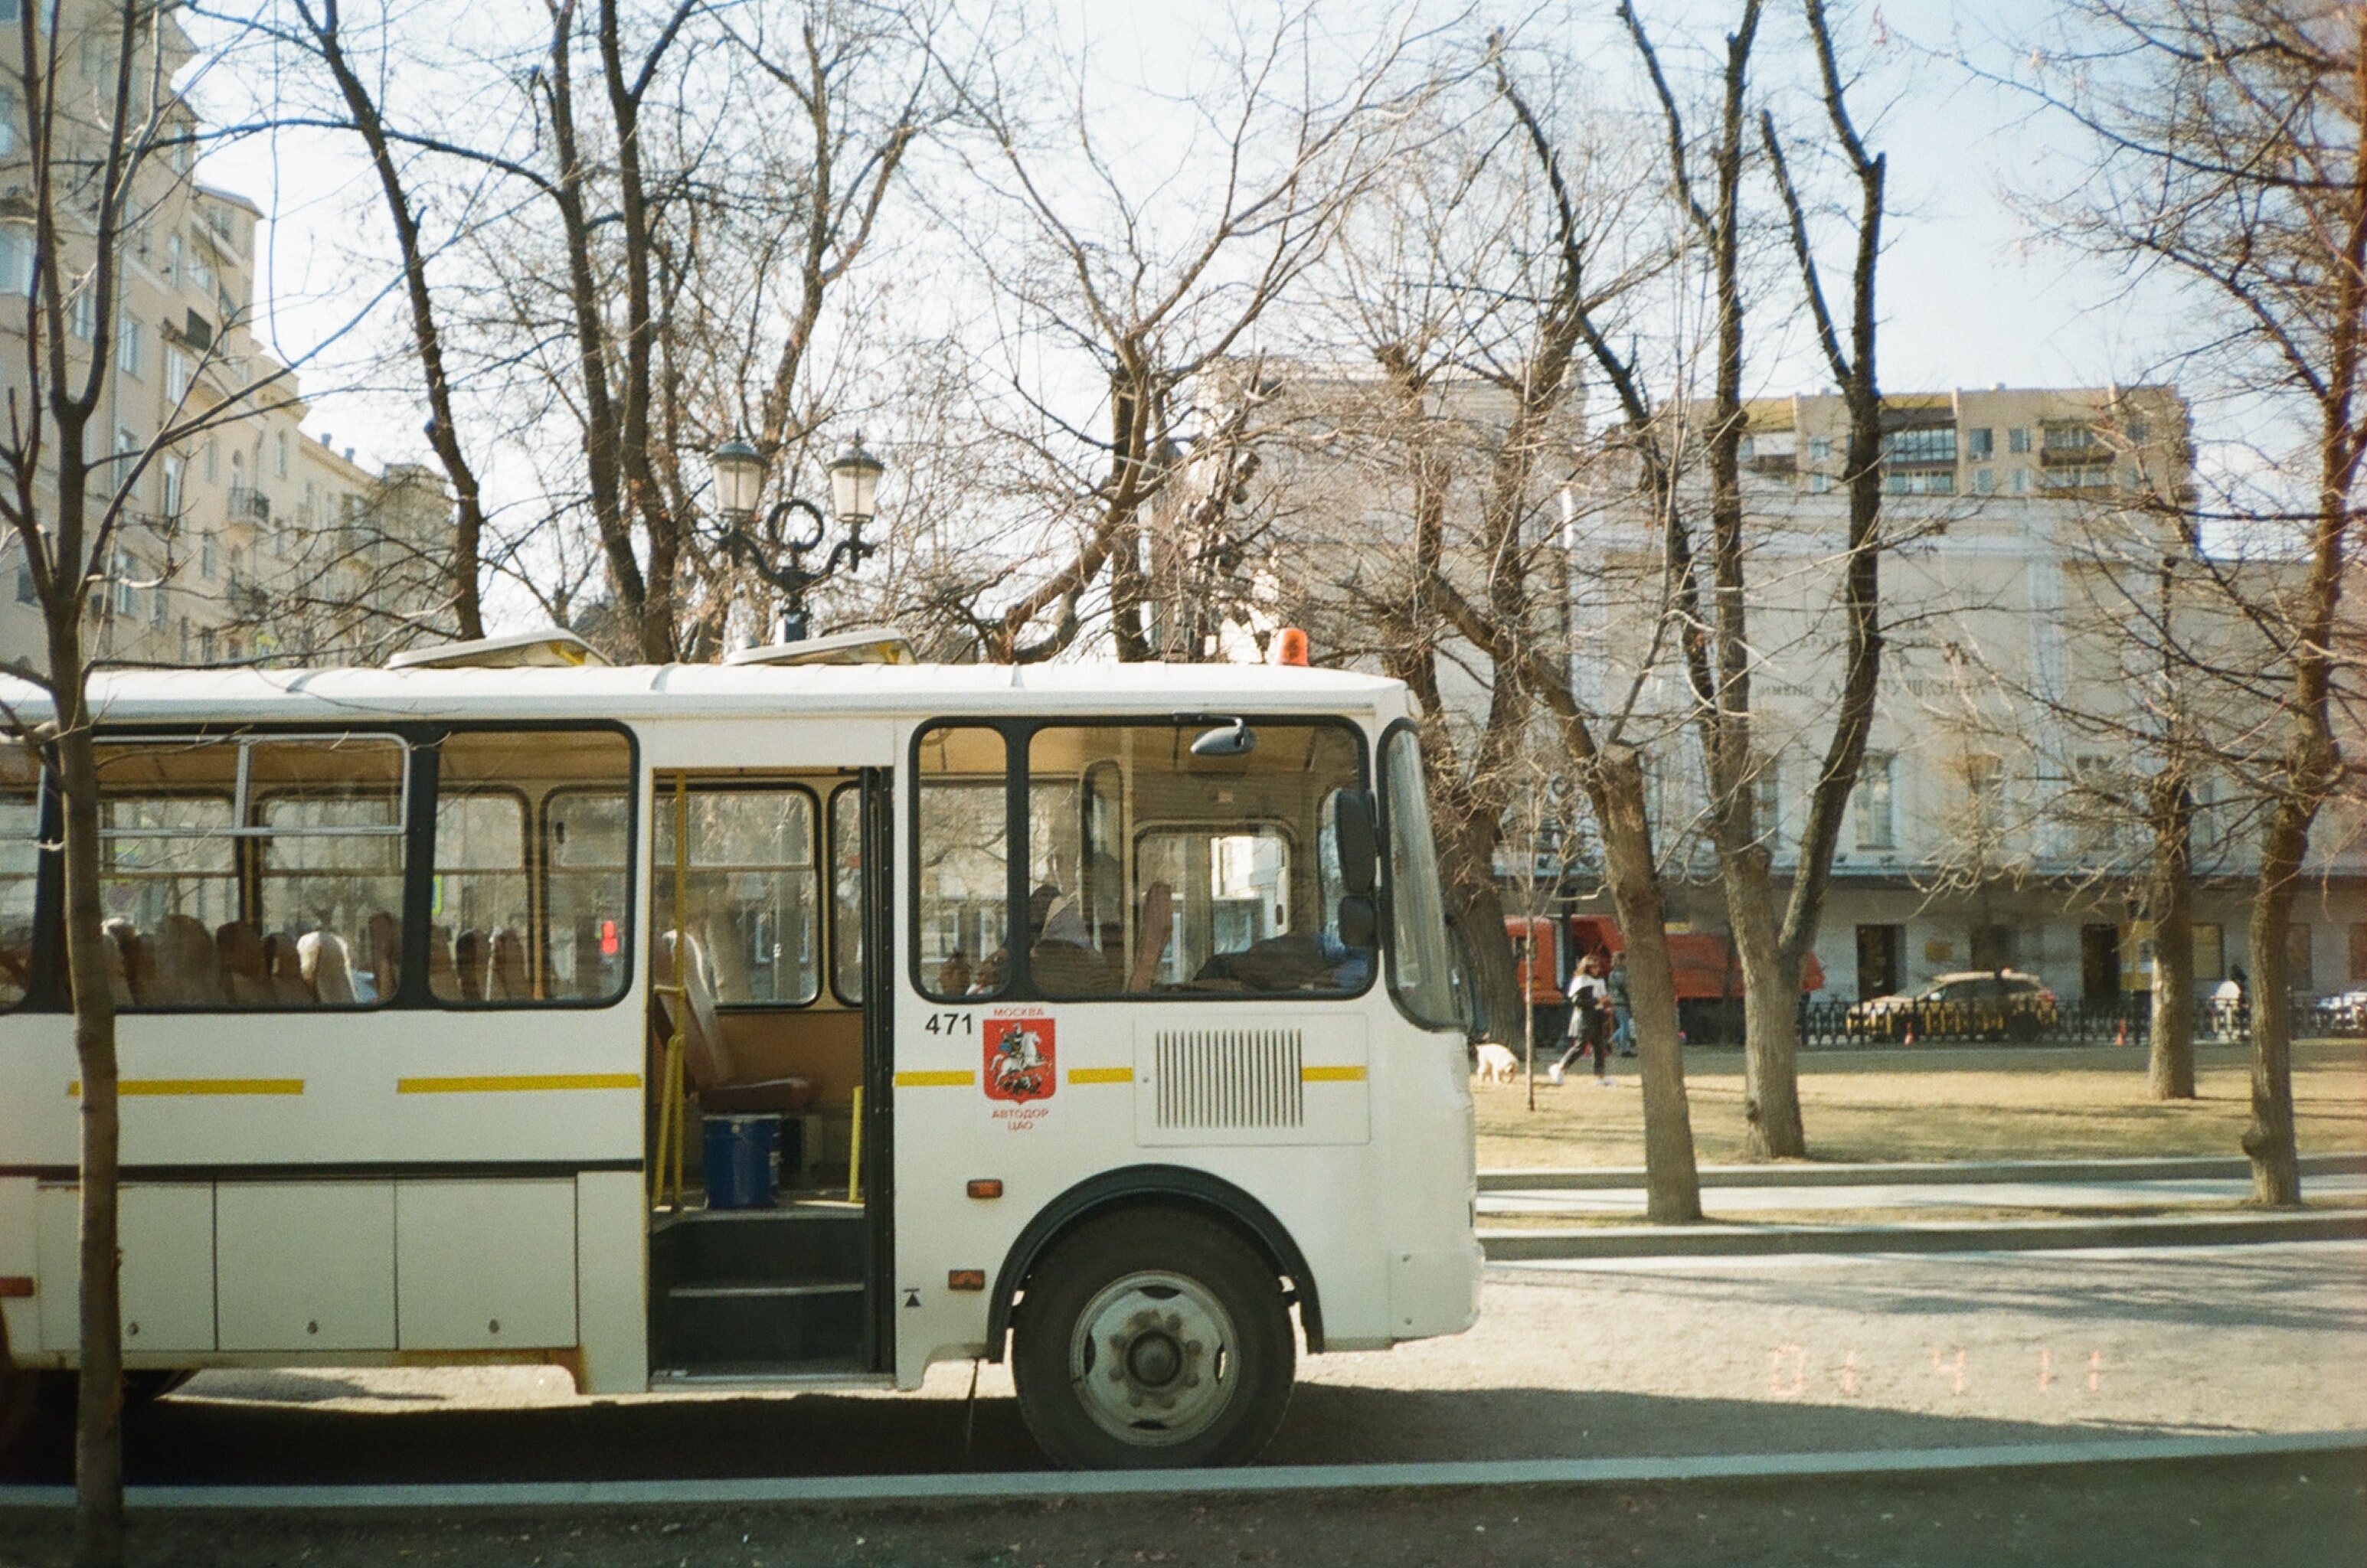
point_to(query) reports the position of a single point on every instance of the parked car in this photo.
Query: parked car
(1997, 1004)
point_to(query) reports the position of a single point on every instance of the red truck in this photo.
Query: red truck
(1708, 974)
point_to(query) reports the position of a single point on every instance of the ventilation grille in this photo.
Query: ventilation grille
(1209, 1078)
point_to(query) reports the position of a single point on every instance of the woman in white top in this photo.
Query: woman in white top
(1589, 1019)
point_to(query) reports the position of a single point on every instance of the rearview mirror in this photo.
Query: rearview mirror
(1237, 740)
(1360, 841)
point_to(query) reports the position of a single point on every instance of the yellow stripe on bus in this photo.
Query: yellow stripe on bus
(517, 1081)
(1101, 1075)
(1331, 1074)
(199, 1086)
(936, 1081)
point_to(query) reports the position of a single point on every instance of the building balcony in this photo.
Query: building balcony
(248, 510)
(2087, 455)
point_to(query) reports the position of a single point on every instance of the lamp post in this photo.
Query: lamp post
(739, 470)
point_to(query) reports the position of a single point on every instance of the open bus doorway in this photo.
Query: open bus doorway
(769, 1159)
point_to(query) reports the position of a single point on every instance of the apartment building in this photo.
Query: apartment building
(1996, 822)
(249, 538)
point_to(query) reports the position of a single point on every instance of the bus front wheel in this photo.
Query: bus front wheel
(1153, 1338)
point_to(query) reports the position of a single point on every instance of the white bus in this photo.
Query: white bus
(1105, 1012)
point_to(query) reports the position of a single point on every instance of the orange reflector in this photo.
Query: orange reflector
(1290, 648)
(965, 1280)
(16, 1285)
(989, 1186)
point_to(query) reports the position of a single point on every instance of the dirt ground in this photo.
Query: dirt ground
(1939, 1103)
(2298, 1513)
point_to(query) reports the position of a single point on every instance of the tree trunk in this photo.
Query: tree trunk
(2268, 1141)
(99, 1415)
(1672, 1179)
(2170, 902)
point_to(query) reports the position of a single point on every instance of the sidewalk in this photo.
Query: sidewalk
(2054, 1185)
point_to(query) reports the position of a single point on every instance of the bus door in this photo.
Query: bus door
(769, 1039)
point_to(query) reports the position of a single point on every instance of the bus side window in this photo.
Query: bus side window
(1160, 869)
(20, 853)
(754, 890)
(251, 873)
(480, 925)
(962, 852)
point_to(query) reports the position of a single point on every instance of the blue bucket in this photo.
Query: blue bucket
(739, 1155)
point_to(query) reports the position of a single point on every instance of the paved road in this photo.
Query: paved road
(2068, 1196)
(1570, 1361)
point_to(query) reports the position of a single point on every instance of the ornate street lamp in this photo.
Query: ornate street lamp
(739, 471)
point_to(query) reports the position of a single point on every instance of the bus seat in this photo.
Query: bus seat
(509, 972)
(188, 966)
(443, 980)
(246, 978)
(289, 988)
(1158, 925)
(706, 1052)
(321, 958)
(385, 940)
(470, 952)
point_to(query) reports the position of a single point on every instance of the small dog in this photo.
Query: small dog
(1496, 1064)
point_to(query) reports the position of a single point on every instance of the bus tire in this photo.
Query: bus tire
(1153, 1338)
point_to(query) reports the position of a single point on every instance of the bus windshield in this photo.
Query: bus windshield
(1421, 968)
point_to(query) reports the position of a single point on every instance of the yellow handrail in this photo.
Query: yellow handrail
(854, 1153)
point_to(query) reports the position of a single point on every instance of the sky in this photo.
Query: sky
(1970, 297)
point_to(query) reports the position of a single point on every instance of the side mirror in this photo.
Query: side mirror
(1360, 841)
(1360, 924)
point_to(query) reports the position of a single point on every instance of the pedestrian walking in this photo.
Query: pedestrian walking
(1590, 1021)
(1622, 1013)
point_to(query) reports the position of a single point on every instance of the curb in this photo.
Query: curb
(1939, 1235)
(1906, 1173)
(1141, 1482)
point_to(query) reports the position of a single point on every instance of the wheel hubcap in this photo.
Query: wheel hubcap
(1150, 1359)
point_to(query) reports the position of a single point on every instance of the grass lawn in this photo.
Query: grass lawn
(1939, 1103)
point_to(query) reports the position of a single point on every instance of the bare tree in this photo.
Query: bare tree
(655, 221)
(2228, 160)
(104, 154)
(1773, 938)
(1142, 296)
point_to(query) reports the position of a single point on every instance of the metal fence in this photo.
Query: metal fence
(1829, 1024)
(2128, 1022)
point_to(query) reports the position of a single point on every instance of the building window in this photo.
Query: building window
(173, 249)
(2021, 481)
(2017, 439)
(1919, 482)
(8, 102)
(118, 567)
(1937, 445)
(206, 645)
(178, 370)
(1819, 482)
(27, 594)
(82, 316)
(280, 458)
(1820, 447)
(213, 462)
(209, 560)
(1980, 442)
(130, 349)
(176, 472)
(15, 258)
(1984, 481)
(1876, 825)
